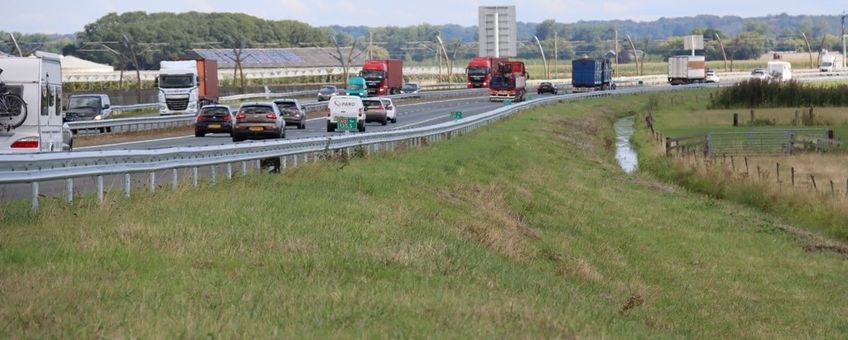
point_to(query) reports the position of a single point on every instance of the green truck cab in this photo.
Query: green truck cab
(356, 87)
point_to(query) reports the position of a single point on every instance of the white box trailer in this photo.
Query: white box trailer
(38, 81)
(779, 70)
(687, 69)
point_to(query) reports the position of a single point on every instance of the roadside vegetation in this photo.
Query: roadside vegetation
(808, 189)
(525, 228)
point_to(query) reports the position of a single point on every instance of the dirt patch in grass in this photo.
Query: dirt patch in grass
(814, 242)
(494, 224)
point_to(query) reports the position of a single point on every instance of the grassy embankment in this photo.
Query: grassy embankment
(813, 207)
(524, 229)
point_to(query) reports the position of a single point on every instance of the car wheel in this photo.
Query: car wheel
(199, 134)
(385, 121)
(302, 124)
(237, 138)
(283, 133)
(394, 120)
(331, 127)
(361, 126)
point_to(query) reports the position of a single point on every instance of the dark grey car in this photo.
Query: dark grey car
(293, 112)
(326, 92)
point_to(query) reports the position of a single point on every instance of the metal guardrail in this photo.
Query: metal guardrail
(122, 125)
(68, 166)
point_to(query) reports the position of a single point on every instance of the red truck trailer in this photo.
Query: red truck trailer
(383, 77)
(509, 82)
(480, 71)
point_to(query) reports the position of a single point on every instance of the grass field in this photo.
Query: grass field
(524, 229)
(686, 114)
(810, 202)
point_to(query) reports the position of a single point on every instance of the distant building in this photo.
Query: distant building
(74, 65)
(504, 41)
(274, 58)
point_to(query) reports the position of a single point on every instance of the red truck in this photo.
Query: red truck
(509, 82)
(383, 77)
(480, 71)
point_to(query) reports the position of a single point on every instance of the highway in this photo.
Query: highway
(409, 115)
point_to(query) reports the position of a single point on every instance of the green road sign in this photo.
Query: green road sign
(508, 102)
(529, 97)
(456, 115)
(346, 124)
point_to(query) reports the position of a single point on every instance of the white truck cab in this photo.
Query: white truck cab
(343, 107)
(38, 81)
(828, 62)
(177, 83)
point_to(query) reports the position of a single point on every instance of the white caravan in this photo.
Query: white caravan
(779, 70)
(39, 128)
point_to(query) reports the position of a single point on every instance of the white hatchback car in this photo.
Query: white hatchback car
(712, 77)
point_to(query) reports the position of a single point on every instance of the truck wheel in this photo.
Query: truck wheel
(361, 126)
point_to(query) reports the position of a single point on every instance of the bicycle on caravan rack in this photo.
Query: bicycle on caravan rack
(13, 109)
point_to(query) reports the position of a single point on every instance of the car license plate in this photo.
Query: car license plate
(214, 126)
(256, 128)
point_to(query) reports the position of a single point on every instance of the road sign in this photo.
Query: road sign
(693, 42)
(346, 124)
(508, 102)
(456, 115)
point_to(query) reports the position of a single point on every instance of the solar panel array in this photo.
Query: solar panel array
(276, 57)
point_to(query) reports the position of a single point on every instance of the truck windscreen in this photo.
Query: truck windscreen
(176, 81)
(373, 75)
(478, 71)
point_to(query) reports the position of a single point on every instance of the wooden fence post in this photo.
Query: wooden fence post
(778, 173)
(747, 171)
(797, 120)
(832, 190)
(735, 119)
(813, 178)
(793, 176)
(752, 118)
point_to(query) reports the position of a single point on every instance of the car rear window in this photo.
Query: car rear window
(286, 105)
(256, 109)
(215, 111)
(372, 103)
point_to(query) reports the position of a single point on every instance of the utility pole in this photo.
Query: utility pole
(129, 43)
(544, 60)
(616, 49)
(723, 53)
(809, 50)
(370, 45)
(556, 54)
(843, 39)
(21, 53)
(635, 55)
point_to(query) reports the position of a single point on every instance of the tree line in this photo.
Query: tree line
(140, 40)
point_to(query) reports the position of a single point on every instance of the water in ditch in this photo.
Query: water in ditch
(624, 152)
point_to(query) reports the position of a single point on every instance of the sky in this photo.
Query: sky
(69, 16)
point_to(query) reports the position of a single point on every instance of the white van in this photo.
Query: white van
(39, 128)
(345, 107)
(779, 70)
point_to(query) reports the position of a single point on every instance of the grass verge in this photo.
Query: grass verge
(524, 229)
